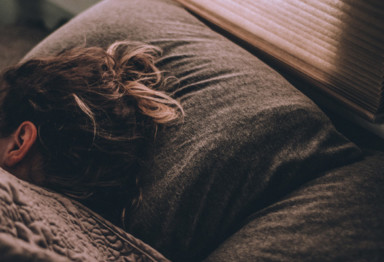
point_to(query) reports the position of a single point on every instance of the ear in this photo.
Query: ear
(21, 143)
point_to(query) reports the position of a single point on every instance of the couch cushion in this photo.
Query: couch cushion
(248, 137)
(38, 225)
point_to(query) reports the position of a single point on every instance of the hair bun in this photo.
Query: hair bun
(138, 75)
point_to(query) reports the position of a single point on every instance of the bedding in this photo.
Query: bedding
(248, 140)
(38, 225)
(338, 216)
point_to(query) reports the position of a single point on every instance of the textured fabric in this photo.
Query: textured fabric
(37, 225)
(337, 217)
(248, 137)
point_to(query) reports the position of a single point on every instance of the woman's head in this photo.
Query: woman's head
(94, 112)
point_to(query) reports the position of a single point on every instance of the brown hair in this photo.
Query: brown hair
(96, 112)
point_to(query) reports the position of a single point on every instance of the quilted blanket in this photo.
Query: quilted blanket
(39, 225)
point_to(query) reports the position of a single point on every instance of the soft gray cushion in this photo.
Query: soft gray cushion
(248, 137)
(38, 225)
(336, 217)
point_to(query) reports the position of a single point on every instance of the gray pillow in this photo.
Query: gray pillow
(248, 138)
(336, 217)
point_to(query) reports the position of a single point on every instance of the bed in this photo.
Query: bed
(256, 172)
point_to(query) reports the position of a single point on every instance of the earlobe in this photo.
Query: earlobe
(23, 139)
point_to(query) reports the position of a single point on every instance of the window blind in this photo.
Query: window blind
(336, 44)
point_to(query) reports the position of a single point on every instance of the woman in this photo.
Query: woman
(81, 122)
